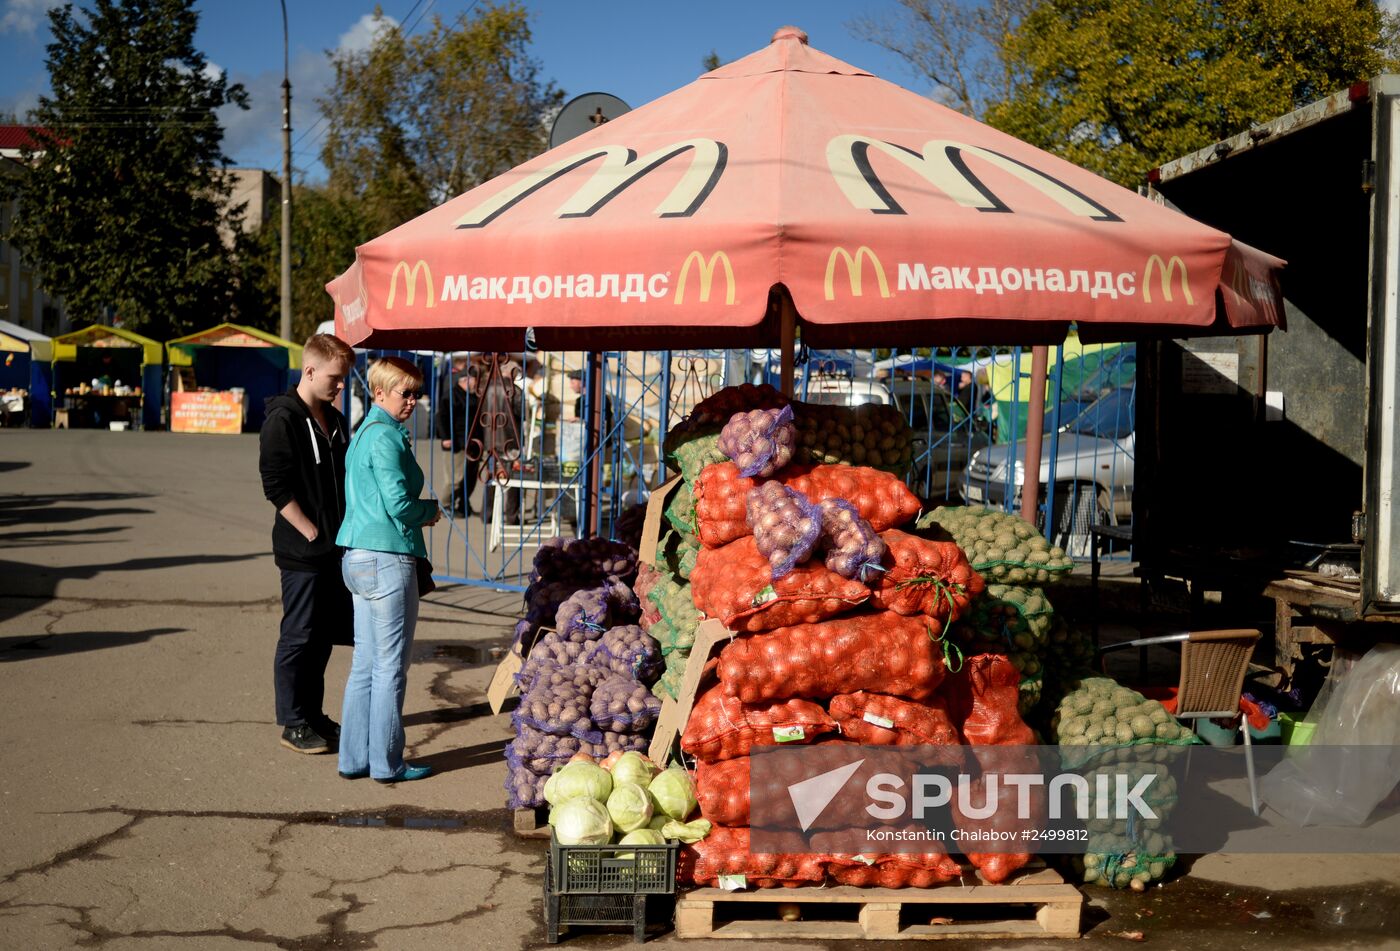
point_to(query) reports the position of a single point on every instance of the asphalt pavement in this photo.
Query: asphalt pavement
(145, 802)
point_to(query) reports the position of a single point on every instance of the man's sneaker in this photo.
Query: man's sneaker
(303, 739)
(329, 729)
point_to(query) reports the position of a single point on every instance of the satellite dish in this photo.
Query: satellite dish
(582, 113)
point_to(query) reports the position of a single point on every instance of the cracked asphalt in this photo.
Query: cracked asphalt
(145, 802)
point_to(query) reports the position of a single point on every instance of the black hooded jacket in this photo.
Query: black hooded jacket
(298, 461)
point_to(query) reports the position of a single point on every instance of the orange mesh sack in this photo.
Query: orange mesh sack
(720, 493)
(882, 651)
(925, 577)
(726, 852)
(982, 698)
(879, 720)
(997, 867)
(735, 584)
(723, 727)
(890, 869)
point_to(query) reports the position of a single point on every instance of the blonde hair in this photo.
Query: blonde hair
(323, 349)
(388, 372)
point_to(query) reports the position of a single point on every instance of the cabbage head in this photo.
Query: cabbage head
(581, 821)
(674, 793)
(575, 780)
(633, 767)
(687, 832)
(629, 806)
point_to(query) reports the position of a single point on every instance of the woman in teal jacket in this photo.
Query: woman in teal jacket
(382, 535)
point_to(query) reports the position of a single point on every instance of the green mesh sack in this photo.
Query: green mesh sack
(1122, 861)
(670, 683)
(679, 551)
(1002, 547)
(1101, 716)
(699, 450)
(679, 616)
(1015, 616)
(872, 434)
(680, 510)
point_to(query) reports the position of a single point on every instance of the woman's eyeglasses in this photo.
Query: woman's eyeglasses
(409, 394)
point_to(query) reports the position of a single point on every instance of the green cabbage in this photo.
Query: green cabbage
(687, 832)
(674, 793)
(640, 837)
(658, 819)
(633, 767)
(629, 806)
(581, 821)
(578, 780)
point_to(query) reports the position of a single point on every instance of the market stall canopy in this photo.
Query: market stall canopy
(100, 336)
(878, 209)
(181, 350)
(17, 339)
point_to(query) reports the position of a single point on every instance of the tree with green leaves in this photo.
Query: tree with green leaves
(414, 121)
(325, 230)
(1122, 86)
(121, 203)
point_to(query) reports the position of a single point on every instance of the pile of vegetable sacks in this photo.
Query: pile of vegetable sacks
(1013, 616)
(1094, 725)
(586, 679)
(841, 620)
(624, 799)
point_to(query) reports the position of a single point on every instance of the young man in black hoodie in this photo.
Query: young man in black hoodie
(302, 461)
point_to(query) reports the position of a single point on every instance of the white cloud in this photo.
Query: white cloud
(25, 16)
(212, 71)
(366, 30)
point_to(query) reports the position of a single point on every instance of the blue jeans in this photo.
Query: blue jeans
(384, 587)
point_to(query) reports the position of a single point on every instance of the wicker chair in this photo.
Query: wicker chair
(1213, 668)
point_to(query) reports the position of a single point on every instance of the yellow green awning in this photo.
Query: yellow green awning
(98, 335)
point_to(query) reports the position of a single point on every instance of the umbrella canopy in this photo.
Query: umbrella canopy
(876, 209)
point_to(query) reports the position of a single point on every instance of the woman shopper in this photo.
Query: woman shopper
(383, 537)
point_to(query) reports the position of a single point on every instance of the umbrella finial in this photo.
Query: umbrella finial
(790, 33)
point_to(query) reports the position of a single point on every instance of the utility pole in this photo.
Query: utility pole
(286, 324)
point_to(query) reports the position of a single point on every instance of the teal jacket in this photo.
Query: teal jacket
(382, 480)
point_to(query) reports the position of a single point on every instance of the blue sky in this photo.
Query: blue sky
(635, 50)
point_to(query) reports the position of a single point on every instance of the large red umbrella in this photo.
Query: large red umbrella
(888, 219)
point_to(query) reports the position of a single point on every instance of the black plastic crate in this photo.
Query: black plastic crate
(599, 869)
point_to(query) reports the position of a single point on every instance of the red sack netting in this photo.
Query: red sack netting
(996, 867)
(723, 727)
(726, 852)
(726, 789)
(647, 577)
(736, 585)
(879, 720)
(925, 577)
(722, 789)
(889, 869)
(879, 497)
(882, 652)
(982, 699)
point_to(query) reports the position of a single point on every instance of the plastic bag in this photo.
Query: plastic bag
(622, 705)
(723, 727)
(853, 550)
(785, 525)
(924, 577)
(884, 652)
(760, 441)
(880, 720)
(1330, 781)
(736, 585)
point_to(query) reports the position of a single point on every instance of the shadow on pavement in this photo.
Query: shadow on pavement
(33, 510)
(15, 649)
(465, 758)
(45, 538)
(12, 466)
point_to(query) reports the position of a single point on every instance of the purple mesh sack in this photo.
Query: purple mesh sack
(785, 525)
(589, 613)
(760, 441)
(549, 652)
(627, 651)
(853, 549)
(622, 705)
(525, 789)
(558, 702)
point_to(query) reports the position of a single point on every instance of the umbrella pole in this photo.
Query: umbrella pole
(1035, 429)
(787, 316)
(595, 443)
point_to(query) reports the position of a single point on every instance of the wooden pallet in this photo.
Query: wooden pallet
(530, 824)
(1035, 905)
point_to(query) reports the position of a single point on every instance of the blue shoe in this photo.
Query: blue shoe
(357, 774)
(410, 773)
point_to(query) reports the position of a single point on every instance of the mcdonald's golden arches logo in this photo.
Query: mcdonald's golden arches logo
(1167, 270)
(706, 270)
(410, 276)
(854, 267)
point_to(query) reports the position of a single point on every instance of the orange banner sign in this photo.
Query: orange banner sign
(204, 412)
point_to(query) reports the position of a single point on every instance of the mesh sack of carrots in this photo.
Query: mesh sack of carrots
(735, 584)
(721, 493)
(877, 719)
(726, 852)
(723, 727)
(924, 577)
(870, 651)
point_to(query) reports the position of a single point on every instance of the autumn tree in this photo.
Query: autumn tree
(1121, 86)
(121, 201)
(416, 120)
